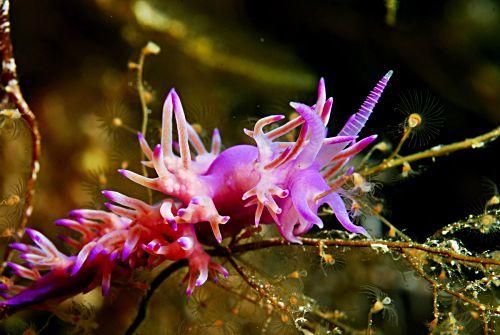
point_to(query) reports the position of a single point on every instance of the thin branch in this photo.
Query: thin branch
(273, 300)
(384, 220)
(336, 323)
(484, 319)
(369, 323)
(479, 306)
(435, 303)
(259, 288)
(393, 245)
(14, 96)
(436, 151)
(149, 49)
(155, 284)
(399, 246)
(405, 136)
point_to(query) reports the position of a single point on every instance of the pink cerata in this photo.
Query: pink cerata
(207, 196)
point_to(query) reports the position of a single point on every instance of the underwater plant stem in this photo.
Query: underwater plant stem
(400, 246)
(405, 136)
(486, 327)
(384, 220)
(370, 323)
(433, 152)
(144, 108)
(141, 91)
(390, 225)
(414, 263)
(393, 245)
(129, 129)
(435, 307)
(155, 284)
(348, 329)
(14, 96)
(367, 157)
(238, 294)
(259, 288)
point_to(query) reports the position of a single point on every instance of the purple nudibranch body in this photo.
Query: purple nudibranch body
(213, 193)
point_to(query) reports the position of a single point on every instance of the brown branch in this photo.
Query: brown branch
(393, 245)
(480, 307)
(436, 151)
(259, 288)
(484, 319)
(13, 96)
(155, 284)
(273, 300)
(399, 246)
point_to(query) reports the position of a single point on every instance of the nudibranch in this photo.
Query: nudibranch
(206, 197)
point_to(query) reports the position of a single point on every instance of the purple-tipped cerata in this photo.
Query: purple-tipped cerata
(276, 181)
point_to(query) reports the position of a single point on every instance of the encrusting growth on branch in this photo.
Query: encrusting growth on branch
(437, 151)
(12, 96)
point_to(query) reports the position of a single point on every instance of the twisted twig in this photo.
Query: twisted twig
(12, 96)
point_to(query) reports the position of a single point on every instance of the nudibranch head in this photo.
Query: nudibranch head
(274, 181)
(296, 178)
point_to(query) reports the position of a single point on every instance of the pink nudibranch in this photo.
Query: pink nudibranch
(280, 182)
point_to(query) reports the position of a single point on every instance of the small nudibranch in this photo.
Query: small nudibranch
(273, 181)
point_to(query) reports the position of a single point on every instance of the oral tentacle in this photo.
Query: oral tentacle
(146, 149)
(182, 131)
(297, 146)
(196, 141)
(317, 133)
(355, 148)
(126, 201)
(159, 163)
(336, 167)
(166, 126)
(216, 142)
(321, 107)
(327, 110)
(307, 216)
